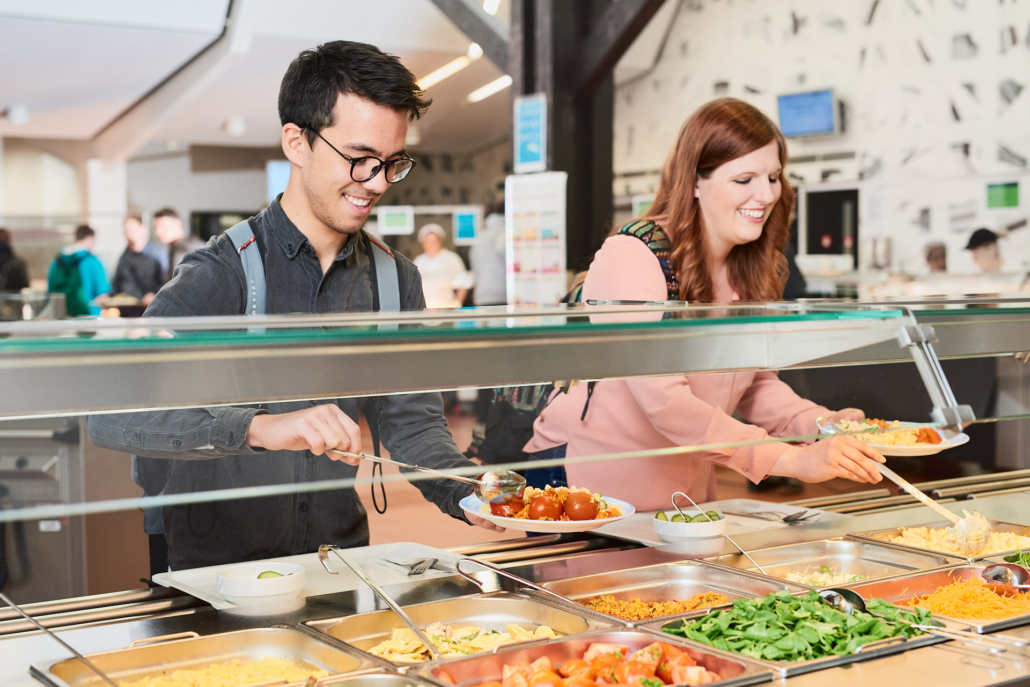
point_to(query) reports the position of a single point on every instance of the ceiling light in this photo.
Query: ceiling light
(490, 6)
(451, 68)
(235, 126)
(16, 114)
(488, 90)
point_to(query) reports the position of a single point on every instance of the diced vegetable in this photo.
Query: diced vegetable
(660, 515)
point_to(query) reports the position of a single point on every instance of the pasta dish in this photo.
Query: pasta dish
(404, 647)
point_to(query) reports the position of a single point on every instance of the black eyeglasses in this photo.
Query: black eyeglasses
(365, 168)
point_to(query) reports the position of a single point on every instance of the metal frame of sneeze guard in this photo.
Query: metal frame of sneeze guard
(919, 340)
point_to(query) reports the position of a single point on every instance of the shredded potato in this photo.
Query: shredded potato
(938, 539)
(404, 647)
(232, 673)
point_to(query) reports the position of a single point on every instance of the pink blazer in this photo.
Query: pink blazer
(664, 412)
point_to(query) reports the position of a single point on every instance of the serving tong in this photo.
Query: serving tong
(969, 534)
(700, 510)
(323, 557)
(487, 486)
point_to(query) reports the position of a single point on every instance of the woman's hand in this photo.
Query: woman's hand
(836, 456)
(851, 414)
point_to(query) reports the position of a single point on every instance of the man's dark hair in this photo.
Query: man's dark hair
(166, 212)
(315, 80)
(5, 236)
(83, 231)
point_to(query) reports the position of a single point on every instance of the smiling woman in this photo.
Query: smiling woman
(715, 233)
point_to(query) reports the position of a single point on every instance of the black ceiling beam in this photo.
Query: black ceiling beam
(610, 38)
(480, 27)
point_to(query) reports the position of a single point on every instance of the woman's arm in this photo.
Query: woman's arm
(771, 404)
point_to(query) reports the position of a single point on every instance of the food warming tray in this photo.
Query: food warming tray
(159, 655)
(996, 526)
(493, 611)
(875, 561)
(902, 588)
(374, 680)
(666, 582)
(735, 670)
(783, 669)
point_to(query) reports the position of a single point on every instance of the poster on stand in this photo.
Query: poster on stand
(535, 237)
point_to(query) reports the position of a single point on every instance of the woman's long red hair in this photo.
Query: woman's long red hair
(718, 132)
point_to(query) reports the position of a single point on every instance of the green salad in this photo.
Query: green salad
(1022, 558)
(781, 627)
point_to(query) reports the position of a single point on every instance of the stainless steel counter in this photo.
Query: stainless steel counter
(941, 665)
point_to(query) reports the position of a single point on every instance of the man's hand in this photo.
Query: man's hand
(850, 414)
(313, 429)
(483, 522)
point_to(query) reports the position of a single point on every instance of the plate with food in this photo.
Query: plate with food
(897, 438)
(561, 509)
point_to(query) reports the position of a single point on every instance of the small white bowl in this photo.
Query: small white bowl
(240, 585)
(676, 532)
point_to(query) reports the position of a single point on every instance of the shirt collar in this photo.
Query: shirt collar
(286, 233)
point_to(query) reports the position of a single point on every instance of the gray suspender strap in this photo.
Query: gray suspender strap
(387, 281)
(243, 240)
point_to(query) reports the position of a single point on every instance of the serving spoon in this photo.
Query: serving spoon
(488, 485)
(847, 602)
(1009, 574)
(969, 534)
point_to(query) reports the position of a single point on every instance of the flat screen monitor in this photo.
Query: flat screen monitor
(808, 114)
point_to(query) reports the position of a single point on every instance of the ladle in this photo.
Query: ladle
(39, 626)
(680, 493)
(847, 602)
(488, 485)
(323, 557)
(1010, 574)
(969, 534)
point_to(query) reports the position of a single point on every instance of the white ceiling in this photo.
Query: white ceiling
(78, 65)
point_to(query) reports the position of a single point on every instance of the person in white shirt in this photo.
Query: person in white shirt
(487, 258)
(445, 281)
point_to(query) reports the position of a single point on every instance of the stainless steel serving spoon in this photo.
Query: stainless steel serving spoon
(847, 602)
(323, 557)
(488, 485)
(1009, 574)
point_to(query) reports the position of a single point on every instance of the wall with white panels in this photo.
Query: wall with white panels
(936, 97)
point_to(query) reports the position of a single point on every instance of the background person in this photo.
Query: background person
(445, 281)
(983, 244)
(13, 274)
(724, 204)
(936, 254)
(137, 274)
(78, 274)
(170, 232)
(488, 260)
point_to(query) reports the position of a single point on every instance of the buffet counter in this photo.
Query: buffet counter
(940, 664)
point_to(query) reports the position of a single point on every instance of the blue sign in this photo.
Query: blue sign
(531, 133)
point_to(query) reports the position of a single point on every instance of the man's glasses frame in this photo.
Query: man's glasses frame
(387, 165)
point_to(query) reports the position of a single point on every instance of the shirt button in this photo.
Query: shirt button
(303, 508)
(289, 247)
(743, 469)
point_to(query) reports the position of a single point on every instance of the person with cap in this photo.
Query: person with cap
(983, 244)
(445, 281)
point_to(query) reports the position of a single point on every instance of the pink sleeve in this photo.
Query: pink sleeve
(625, 268)
(770, 403)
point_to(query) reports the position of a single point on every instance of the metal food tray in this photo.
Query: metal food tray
(159, 655)
(492, 611)
(885, 535)
(899, 589)
(784, 669)
(375, 680)
(735, 670)
(666, 582)
(854, 557)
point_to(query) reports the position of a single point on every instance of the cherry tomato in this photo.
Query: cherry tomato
(579, 505)
(505, 506)
(543, 506)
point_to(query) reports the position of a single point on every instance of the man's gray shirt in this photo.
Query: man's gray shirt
(208, 443)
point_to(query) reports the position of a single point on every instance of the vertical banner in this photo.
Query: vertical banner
(466, 222)
(534, 219)
(530, 133)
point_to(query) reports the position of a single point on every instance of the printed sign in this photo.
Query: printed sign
(466, 223)
(530, 133)
(396, 220)
(534, 220)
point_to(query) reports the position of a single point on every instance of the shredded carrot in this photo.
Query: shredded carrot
(971, 599)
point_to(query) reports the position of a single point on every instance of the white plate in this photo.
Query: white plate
(471, 505)
(912, 451)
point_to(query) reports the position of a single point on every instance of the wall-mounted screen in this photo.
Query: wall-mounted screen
(808, 114)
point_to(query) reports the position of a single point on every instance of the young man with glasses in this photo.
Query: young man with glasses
(344, 109)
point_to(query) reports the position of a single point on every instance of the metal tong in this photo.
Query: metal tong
(511, 576)
(89, 664)
(739, 548)
(323, 557)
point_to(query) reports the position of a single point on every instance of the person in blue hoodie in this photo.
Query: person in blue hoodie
(78, 274)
